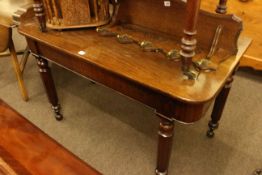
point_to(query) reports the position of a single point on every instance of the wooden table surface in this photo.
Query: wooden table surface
(251, 14)
(148, 69)
(29, 151)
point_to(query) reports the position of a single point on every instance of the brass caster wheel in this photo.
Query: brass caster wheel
(257, 172)
(59, 117)
(210, 134)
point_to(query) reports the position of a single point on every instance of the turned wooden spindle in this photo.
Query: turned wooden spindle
(55, 9)
(222, 7)
(48, 11)
(104, 10)
(40, 14)
(189, 41)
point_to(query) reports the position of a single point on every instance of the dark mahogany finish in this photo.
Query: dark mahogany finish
(40, 14)
(46, 76)
(48, 82)
(189, 40)
(218, 108)
(219, 105)
(147, 77)
(29, 151)
(222, 7)
(222, 96)
(165, 140)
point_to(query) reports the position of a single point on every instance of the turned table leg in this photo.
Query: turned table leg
(219, 107)
(165, 140)
(49, 85)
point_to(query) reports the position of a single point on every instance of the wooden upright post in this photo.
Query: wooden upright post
(189, 41)
(222, 7)
(40, 14)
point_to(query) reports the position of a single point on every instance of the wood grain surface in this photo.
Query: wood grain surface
(250, 11)
(148, 69)
(5, 37)
(33, 150)
(5, 169)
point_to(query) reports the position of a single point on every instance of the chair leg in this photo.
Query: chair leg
(18, 71)
(24, 59)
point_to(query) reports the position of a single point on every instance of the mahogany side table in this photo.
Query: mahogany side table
(143, 76)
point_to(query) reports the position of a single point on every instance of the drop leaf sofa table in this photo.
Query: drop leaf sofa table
(140, 54)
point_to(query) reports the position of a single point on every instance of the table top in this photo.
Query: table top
(27, 150)
(151, 70)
